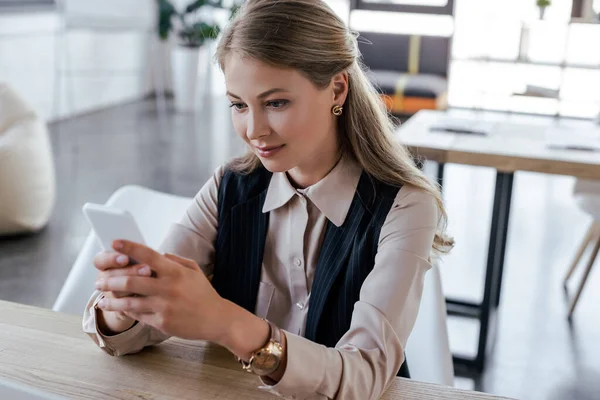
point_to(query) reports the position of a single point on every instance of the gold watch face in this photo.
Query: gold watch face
(267, 361)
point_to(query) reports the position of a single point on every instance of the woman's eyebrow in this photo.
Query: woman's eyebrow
(260, 96)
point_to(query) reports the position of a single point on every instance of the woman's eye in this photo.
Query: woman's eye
(277, 103)
(237, 106)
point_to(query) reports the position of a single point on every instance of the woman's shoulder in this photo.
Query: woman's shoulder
(417, 203)
(415, 193)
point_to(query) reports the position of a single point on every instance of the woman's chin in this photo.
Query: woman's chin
(276, 162)
(275, 165)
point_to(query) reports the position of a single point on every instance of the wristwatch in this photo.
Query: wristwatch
(266, 360)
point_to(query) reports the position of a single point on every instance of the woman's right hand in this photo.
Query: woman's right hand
(110, 264)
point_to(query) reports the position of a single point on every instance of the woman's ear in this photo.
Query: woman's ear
(340, 88)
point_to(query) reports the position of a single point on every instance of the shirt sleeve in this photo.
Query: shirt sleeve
(369, 355)
(192, 237)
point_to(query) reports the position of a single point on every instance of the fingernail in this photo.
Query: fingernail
(102, 303)
(145, 270)
(117, 245)
(99, 283)
(122, 260)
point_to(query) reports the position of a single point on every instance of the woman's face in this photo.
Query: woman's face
(281, 115)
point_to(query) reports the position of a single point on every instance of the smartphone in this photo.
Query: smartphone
(110, 224)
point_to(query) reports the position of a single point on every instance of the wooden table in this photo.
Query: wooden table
(49, 351)
(514, 143)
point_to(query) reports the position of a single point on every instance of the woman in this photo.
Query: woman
(317, 241)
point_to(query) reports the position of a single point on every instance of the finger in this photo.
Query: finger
(116, 294)
(144, 254)
(141, 285)
(186, 262)
(134, 270)
(127, 304)
(110, 260)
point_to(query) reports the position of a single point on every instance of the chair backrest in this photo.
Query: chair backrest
(428, 348)
(406, 52)
(387, 51)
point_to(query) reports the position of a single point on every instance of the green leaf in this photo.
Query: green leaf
(165, 7)
(166, 10)
(195, 35)
(194, 5)
(234, 10)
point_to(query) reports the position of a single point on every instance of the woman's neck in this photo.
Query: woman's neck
(303, 176)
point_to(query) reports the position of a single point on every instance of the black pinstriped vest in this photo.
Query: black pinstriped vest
(347, 254)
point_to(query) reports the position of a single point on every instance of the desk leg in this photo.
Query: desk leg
(485, 312)
(440, 174)
(503, 220)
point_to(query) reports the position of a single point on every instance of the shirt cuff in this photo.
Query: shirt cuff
(114, 345)
(305, 370)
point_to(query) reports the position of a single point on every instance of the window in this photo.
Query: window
(506, 58)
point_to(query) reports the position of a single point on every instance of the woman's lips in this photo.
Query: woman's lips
(268, 151)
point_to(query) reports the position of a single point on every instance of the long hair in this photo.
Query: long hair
(306, 35)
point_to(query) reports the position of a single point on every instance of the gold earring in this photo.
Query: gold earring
(337, 110)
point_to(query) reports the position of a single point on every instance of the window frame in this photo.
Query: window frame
(383, 5)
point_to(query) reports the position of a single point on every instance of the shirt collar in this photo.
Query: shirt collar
(280, 191)
(332, 195)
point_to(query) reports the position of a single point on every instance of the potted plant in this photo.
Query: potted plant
(542, 4)
(194, 30)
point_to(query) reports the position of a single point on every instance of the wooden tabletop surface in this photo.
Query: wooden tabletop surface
(49, 351)
(516, 142)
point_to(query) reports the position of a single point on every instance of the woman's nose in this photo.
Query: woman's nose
(256, 127)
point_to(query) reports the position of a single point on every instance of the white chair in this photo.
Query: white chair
(428, 348)
(108, 16)
(428, 351)
(587, 196)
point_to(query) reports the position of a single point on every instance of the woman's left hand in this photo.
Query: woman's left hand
(179, 300)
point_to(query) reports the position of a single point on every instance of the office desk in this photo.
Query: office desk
(514, 143)
(49, 351)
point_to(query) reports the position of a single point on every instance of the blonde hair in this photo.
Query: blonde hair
(306, 35)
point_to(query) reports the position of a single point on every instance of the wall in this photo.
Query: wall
(86, 69)
(104, 67)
